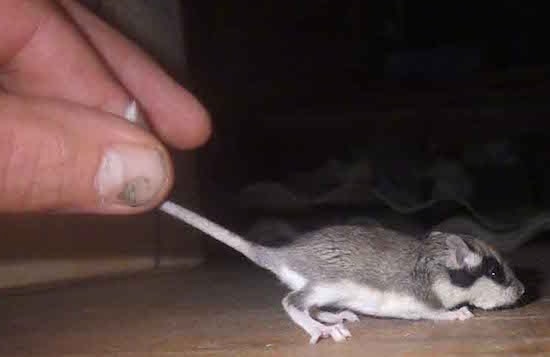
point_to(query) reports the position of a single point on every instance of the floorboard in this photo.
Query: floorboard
(234, 309)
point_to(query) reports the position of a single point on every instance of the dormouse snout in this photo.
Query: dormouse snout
(519, 288)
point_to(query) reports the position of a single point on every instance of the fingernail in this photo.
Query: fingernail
(130, 175)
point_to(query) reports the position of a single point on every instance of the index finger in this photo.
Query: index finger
(42, 54)
(173, 112)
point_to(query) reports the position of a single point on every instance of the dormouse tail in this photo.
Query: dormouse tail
(214, 230)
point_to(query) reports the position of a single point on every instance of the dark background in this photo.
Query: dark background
(293, 84)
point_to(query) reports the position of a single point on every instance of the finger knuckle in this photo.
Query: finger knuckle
(33, 172)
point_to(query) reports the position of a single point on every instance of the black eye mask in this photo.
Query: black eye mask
(489, 267)
(493, 270)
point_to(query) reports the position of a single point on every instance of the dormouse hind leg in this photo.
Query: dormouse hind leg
(296, 307)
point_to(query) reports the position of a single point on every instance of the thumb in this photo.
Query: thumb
(61, 156)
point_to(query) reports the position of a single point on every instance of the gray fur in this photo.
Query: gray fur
(374, 256)
(377, 257)
(374, 270)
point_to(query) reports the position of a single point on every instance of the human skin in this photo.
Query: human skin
(66, 79)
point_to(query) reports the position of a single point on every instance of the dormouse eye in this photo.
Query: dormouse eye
(494, 271)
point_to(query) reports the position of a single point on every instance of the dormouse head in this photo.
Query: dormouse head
(473, 273)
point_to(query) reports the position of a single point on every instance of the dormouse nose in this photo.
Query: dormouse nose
(521, 289)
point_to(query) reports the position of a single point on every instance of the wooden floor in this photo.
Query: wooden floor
(235, 309)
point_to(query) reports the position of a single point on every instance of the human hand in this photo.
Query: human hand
(66, 79)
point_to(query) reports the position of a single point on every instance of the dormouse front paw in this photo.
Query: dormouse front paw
(461, 314)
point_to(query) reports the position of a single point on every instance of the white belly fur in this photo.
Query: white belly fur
(367, 300)
(357, 297)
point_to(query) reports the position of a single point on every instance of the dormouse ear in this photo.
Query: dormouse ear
(436, 234)
(461, 254)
